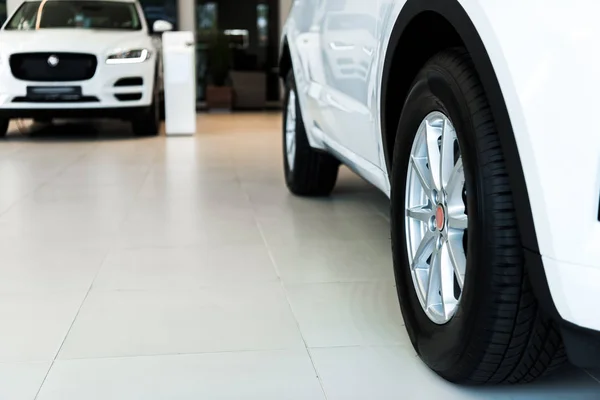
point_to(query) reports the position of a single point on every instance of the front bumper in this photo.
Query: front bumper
(114, 91)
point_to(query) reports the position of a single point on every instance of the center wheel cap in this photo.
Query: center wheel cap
(440, 218)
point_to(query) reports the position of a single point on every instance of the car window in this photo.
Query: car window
(110, 15)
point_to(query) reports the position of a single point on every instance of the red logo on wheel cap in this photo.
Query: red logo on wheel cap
(439, 218)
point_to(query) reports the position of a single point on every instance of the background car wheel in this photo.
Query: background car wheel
(4, 122)
(464, 291)
(161, 109)
(308, 172)
(148, 122)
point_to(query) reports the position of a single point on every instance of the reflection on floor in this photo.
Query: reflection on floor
(180, 268)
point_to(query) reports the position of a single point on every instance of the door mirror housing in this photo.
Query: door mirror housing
(161, 26)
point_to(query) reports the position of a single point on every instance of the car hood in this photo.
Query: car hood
(71, 40)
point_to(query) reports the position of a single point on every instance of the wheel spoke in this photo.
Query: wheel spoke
(446, 280)
(419, 164)
(456, 182)
(424, 250)
(421, 213)
(456, 253)
(433, 284)
(433, 153)
(460, 221)
(447, 153)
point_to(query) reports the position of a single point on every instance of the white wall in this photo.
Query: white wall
(284, 9)
(11, 5)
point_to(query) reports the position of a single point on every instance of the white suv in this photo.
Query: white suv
(81, 58)
(476, 119)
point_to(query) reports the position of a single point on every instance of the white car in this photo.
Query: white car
(476, 118)
(81, 58)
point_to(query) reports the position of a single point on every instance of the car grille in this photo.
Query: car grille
(53, 67)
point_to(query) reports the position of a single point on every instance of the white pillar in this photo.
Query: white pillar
(12, 5)
(284, 9)
(186, 10)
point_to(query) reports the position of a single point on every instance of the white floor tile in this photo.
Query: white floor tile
(211, 319)
(208, 277)
(192, 232)
(332, 261)
(35, 325)
(29, 269)
(172, 268)
(348, 314)
(313, 229)
(271, 375)
(381, 373)
(21, 381)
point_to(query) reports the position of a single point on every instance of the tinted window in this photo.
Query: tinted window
(76, 14)
(2, 11)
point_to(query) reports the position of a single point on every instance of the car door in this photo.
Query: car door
(349, 48)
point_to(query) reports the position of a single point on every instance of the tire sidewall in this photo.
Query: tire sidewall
(442, 347)
(289, 172)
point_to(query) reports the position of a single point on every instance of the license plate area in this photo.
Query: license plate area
(54, 93)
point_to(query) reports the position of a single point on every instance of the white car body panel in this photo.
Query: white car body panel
(100, 43)
(543, 58)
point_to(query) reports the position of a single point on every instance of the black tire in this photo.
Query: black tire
(498, 334)
(314, 172)
(162, 112)
(4, 122)
(147, 123)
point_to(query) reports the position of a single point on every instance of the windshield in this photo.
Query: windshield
(75, 14)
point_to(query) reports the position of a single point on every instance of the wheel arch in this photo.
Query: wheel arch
(285, 59)
(412, 42)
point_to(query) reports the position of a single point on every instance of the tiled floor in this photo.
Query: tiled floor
(181, 268)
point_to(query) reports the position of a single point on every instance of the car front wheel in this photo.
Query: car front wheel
(464, 290)
(147, 123)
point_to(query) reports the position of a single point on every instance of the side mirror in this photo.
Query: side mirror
(161, 26)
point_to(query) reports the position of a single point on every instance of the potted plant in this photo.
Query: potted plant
(219, 94)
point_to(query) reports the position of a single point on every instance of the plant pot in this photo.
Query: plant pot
(219, 97)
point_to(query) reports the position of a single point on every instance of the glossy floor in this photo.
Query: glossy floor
(181, 268)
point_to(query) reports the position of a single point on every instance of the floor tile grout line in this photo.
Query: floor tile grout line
(308, 353)
(101, 264)
(179, 354)
(72, 323)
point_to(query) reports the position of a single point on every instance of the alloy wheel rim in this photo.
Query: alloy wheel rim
(436, 218)
(290, 130)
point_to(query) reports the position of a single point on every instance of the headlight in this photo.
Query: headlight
(128, 56)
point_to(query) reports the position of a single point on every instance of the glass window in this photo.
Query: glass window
(155, 10)
(2, 11)
(111, 15)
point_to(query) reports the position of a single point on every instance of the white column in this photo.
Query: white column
(187, 15)
(12, 5)
(284, 9)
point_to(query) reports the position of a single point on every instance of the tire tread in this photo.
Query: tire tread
(521, 343)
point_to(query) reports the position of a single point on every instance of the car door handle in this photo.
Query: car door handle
(338, 46)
